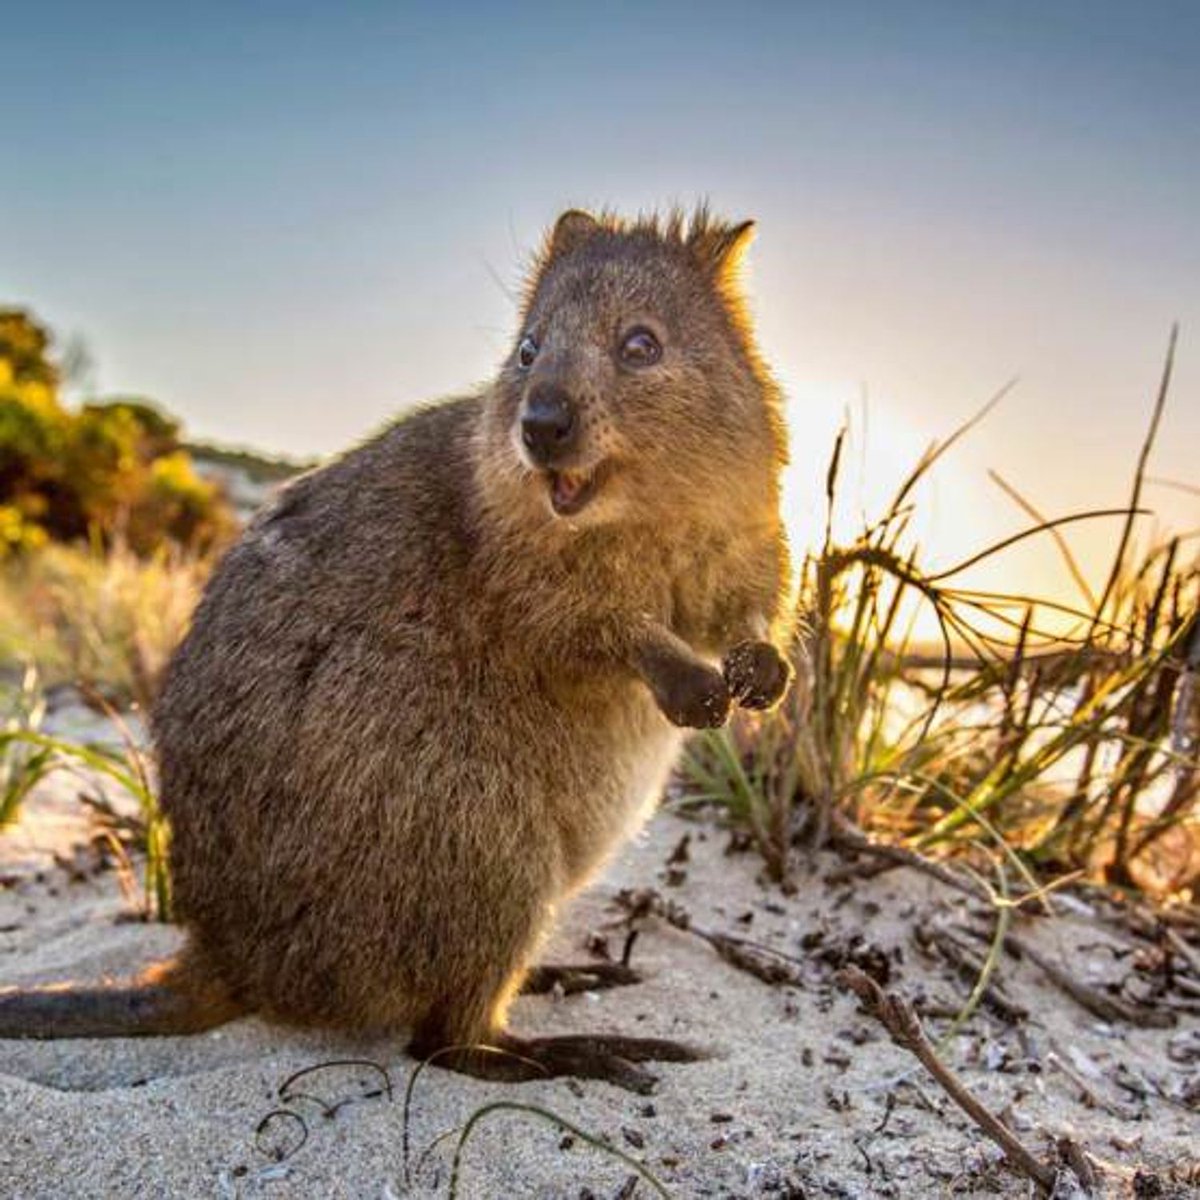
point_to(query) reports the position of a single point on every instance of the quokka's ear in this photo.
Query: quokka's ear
(570, 231)
(719, 249)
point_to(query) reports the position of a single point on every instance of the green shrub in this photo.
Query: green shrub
(113, 470)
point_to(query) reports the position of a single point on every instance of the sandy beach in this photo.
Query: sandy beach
(804, 1095)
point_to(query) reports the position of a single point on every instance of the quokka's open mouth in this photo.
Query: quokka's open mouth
(570, 491)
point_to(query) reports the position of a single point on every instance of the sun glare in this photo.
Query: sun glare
(956, 511)
(879, 450)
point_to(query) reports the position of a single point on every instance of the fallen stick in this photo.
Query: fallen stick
(1186, 952)
(971, 967)
(850, 840)
(764, 962)
(1091, 1097)
(1107, 1008)
(895, 1014)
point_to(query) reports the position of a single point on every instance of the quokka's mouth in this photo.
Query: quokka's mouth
(571, 491)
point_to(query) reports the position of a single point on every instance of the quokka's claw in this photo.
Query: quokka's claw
(611, 1058)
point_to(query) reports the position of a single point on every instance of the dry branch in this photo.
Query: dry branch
(849, 840)
(971, 967)
(896, 1015)
(764, 962)
(1106, 1007)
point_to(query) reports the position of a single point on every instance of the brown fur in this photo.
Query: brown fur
(416, 710)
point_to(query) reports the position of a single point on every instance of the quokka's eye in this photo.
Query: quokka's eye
(526, 352)
(640, 348)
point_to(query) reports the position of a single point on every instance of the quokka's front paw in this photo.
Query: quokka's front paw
(757, 674)
(695, 697)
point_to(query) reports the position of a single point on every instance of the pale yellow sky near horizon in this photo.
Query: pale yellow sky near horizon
(959, 508)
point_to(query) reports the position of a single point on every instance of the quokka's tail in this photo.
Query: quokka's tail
(157, 1003)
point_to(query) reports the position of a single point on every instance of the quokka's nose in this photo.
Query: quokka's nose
(548, 424)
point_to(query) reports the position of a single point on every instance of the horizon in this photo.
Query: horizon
(291, 226)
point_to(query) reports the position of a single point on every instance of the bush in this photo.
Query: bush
(113, 470)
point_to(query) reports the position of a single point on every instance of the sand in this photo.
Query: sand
(804, 1095)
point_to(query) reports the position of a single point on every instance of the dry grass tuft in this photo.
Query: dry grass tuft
(1060, 753)
(105, 618)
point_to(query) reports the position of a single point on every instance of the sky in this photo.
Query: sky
(289, 222)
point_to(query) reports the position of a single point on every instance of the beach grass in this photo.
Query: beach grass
(1064, 751)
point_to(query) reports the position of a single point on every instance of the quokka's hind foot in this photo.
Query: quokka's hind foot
(632, 1049)
(613, 1059)
(571, 978)
(610, 1057)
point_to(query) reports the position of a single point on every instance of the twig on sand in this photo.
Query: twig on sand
(1106, 1007)
(1092, 1098)
(1074, 1155)
(764, 962)
(1186, 952)
(971, 967)
(851, 841)
(896, 1015)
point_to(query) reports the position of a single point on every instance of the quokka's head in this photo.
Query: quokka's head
(633, 386)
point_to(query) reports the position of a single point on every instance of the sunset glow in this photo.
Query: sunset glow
(306, 232)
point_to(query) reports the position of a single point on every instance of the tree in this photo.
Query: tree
(25, 346)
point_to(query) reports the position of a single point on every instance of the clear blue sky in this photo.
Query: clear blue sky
(288, 221)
